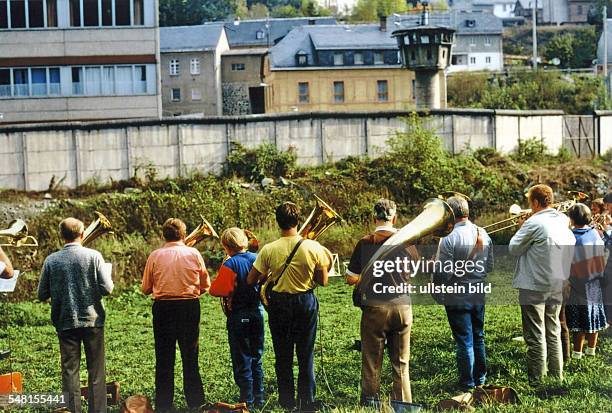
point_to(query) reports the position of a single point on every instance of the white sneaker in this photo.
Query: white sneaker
(590, 351)
(577, 355)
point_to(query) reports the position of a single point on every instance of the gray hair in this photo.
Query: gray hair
(460, 206)
(384, 209)
(71, 228)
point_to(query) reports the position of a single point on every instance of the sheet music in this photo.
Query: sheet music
(8, 286)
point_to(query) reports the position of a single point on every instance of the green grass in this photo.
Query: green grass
(130, 355)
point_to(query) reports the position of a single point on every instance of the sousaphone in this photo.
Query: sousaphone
(100, 226)
(202, 232)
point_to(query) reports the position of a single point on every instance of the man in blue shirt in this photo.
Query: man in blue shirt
(469, 248)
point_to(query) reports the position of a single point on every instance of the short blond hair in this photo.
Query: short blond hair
(71, 228)
(136, 404)
(235, 239)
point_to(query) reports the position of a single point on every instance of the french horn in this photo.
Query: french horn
(321, 218)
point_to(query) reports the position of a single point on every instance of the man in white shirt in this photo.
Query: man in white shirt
(544, 245)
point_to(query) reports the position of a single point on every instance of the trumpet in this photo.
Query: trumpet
(600, 221)
(202, 231)
(320, 220)
(100, 226)
(17, 235)
(519, 214)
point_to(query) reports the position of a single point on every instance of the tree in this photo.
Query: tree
(190, 12)
(258, 11)
(371, 10)
(562, 48)
(285, 11)
(596, 11)
(242, 10)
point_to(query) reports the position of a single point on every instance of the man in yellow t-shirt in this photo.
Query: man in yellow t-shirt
(293, 308)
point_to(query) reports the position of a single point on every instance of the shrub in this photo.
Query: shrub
(530, 150)
(264, 161)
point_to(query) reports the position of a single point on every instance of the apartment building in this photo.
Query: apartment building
(70, 60)
(337, 68)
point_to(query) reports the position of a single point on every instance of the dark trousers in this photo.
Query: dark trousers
(467, 324)
(245, 331)
(177, 320)
(70, 350)
(293, 324)
(565, 335)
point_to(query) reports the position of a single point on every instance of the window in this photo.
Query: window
(236, 67)
(5, 82)
(140, 79)
(579, 12)
(378, 58)
(358, 58)
(124, 83)
(472, 41)
(303, 92)
(85, 13)
(93, 81)
(77, 81)
(196, 94)
(472, 60)
(3, 15)
(21, 82)
(175, 95)
(302, 60)
(195, 66)
(90, 13)
(487, 41)
(383, 90)
(413, 89)
(259, 35)
(174, 67)
(39, 81)
(17, 8)
(338, 59)
(35, 81)
(36, 13)
(338, 92)
(488, 59)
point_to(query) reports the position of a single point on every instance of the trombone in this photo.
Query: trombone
(519, 214)
(17, 235)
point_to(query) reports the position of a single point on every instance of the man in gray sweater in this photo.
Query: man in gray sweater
(75, 279)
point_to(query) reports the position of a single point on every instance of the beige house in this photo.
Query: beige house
(191, 69)
(337, 68)
(69, 60)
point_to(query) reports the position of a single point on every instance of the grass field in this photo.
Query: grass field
(130, 357)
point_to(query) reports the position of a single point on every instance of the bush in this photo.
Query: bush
(530, 150)
(255, 164)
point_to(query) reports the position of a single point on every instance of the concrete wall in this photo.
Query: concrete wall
(32, 155)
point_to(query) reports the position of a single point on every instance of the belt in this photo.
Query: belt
(289, 295)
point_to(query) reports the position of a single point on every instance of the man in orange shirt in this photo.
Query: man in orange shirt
(176, 276)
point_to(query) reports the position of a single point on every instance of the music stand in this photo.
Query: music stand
(7, 287)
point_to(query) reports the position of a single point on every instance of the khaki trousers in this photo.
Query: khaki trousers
(391, 323)
(542, 333)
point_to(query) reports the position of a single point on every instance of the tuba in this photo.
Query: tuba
(436, 219)
(100, 226)
(202, 231)
(17, 235)
(320, 220)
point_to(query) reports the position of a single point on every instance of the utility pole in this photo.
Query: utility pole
(534, 15)
(605, 42)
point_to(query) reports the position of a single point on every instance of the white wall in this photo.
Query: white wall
(79, 152)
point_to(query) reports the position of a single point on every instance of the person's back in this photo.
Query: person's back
(244, 295)
(76, 287)
(544, 246)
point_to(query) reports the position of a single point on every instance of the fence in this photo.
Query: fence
(77, 152)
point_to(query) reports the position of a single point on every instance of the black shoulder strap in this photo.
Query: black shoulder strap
(289, 259)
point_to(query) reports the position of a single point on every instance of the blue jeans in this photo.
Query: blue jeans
(293, 324)
(245, 331)
(467, 324)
